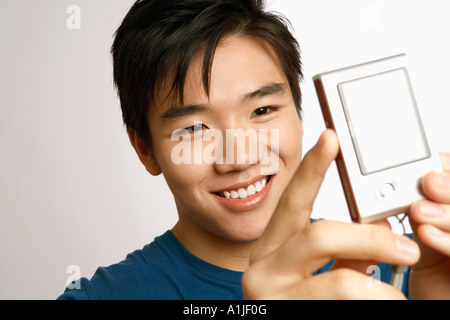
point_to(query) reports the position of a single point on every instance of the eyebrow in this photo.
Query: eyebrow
(179, 111)
(266, 90)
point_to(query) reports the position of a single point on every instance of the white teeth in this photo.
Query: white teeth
(251, 190)
(243, 193)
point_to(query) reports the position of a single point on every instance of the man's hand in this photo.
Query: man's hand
(292, 249)
(430, 220)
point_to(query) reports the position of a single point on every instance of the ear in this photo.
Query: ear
(144, 154)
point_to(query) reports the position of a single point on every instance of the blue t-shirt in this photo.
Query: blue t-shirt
(164, 269)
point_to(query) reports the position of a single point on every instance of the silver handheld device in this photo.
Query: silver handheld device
(384, 150)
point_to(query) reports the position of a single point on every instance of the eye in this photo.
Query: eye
(196, 127)
(263, 111)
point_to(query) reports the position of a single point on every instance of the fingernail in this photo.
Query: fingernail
(442, 180)
(431, 209)
(406, 245)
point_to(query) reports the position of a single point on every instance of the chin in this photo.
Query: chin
(246, 231)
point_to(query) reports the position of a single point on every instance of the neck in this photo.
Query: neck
(211, 248)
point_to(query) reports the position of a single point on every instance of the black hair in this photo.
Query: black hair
(158, 38)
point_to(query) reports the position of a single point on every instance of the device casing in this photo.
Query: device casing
(380, 194)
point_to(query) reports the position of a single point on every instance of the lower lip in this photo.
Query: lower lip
(242, 205)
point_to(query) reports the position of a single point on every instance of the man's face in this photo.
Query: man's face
(248, 91)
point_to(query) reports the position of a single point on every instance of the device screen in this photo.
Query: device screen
(383, 121)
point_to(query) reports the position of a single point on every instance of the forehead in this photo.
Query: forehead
(240, 65)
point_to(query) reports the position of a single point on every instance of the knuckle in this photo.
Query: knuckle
(248, 278)
(344, 283)
(376, 233)
(317, 235)
(252, 284)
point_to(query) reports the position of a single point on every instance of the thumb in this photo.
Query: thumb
(294, 208)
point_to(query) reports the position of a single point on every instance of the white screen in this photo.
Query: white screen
(383, 120)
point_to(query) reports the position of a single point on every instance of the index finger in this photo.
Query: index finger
(294, 208)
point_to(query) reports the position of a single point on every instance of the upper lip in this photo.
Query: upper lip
(239, 185)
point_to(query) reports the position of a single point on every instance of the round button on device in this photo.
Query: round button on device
(387, 190)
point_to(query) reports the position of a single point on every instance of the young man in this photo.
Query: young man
(194, 77)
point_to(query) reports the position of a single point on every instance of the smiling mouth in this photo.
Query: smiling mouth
(245, 192)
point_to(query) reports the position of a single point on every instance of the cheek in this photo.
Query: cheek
(184, 180)
(290, 143)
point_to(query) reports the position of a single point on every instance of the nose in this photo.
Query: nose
(239, 151)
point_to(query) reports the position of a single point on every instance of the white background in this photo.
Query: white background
(72, 191)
